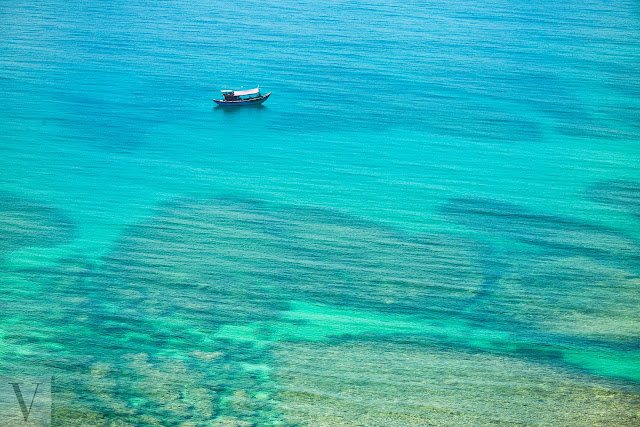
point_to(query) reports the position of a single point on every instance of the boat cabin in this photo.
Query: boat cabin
(236, 95)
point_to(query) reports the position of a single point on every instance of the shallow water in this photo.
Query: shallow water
(432, 221)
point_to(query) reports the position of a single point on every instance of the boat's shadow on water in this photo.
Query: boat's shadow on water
(239, 109)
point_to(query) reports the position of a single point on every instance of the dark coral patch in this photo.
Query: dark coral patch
(571, 278)
(619, 194)
(26, 223)
(549, 232)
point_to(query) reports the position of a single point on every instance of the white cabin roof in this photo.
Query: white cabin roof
(246, 92)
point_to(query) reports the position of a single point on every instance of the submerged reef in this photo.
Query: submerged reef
(239, 312)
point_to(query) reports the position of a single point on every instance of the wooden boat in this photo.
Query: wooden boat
(242, 97)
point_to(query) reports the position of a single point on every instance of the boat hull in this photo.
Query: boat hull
(253, 101)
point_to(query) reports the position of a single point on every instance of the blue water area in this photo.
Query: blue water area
(434, 219)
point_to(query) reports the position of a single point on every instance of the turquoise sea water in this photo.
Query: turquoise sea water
(434, 220)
